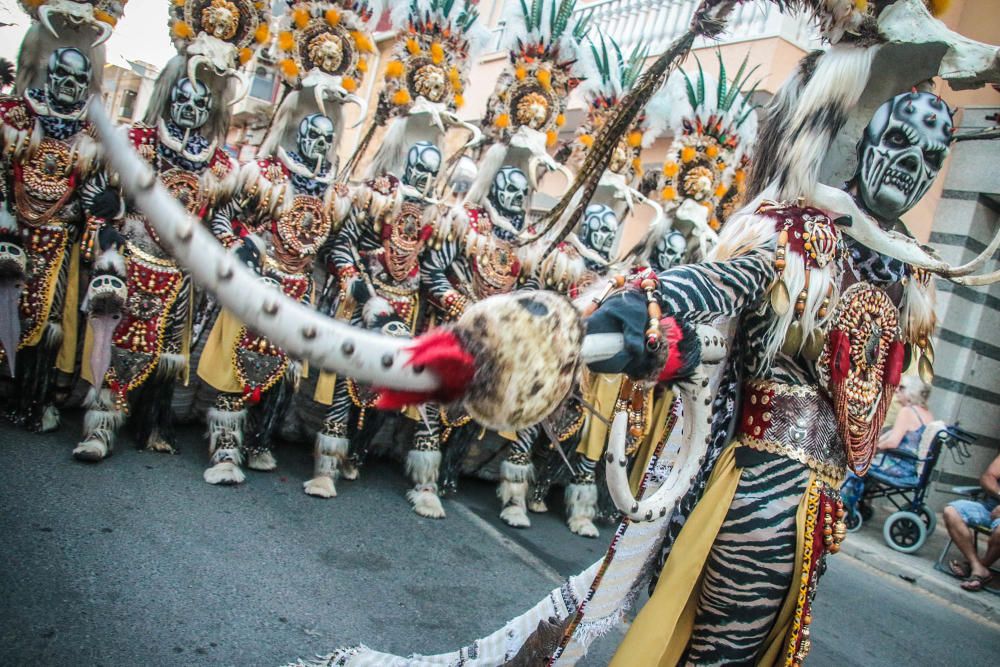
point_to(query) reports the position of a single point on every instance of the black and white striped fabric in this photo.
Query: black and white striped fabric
(750, 566)
(703, 292)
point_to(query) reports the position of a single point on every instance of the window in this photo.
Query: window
(128, 104)
(262, 87)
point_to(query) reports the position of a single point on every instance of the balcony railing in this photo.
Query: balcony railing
(657, 23)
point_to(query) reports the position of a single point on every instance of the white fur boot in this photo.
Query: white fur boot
(262, 461)
(100, 424)
(330, 453)
(513, 493)
(422, 467)
(581, 508)
(225, 435)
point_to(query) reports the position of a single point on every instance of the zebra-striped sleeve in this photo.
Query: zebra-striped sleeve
(434, 266)
(342, 257)
(221, 223)
(702, 292)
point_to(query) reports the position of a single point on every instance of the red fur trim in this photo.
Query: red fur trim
(441, 353)
(894, 364)
(673, 337)
(840, 357)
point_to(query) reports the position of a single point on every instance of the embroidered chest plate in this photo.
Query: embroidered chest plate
(46, 182)
(403, 241)
(861, 364)
(495, 269)
(300, 232)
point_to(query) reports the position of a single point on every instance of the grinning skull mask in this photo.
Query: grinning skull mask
(600, 225)
(315, 137)
(190, 104)
(422, 164)
(901, 153)
(509, 191)
(669, 251)
(68, 78)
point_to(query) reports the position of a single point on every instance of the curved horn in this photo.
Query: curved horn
(697, 429)
(351, 98)
(103, 33)
(319, 94)
(476, 135)
(45, 18)
(299, 330)
(244, 90)
(192, 66)
(975, 281)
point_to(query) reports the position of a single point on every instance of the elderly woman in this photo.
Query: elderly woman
(906, 431)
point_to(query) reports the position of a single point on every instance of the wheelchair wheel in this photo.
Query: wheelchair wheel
(853, 520)
(928, 517)
(905, 532)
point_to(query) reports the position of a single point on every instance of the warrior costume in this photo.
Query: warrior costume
(139, 301)
(289, 204)
(48, 156)
(393, 221)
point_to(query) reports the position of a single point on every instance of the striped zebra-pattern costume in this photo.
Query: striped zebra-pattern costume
(750, 566)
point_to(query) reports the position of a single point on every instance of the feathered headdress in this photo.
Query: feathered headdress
(220, 34)
(426, 75)
(713, 124)
(56, 15)
(546, 55)
(616, 74)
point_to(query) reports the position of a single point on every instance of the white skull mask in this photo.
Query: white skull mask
(190, 104)
(669, 251)
(68, 77)
(600, 225)
(315, 138)
(423, 161)
(509, 191)
(901, 153)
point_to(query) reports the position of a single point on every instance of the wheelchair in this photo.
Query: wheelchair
(906, 529)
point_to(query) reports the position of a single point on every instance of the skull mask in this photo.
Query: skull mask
(68, 77)
(190, 104)
(315, 137)
(669, 251)
(508, 192)
(422, 164)
(901, 153)
(600, 224)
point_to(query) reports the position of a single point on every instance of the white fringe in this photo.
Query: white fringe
(581, 500)
(110, 261)
(422, 466)
(224, 421)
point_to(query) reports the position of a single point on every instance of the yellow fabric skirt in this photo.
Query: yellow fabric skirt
(660, 423)
(601, 392)
(662, 629)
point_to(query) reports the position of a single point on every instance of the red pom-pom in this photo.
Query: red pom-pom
(674, 334)
(441, 353)
(251, 395)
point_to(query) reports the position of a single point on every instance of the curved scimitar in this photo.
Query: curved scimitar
(300, 331)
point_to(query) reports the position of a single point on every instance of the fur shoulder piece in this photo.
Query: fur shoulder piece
(222, 176)
(379, 197)
(144, 138)
(267, 181)
(338, 201)
(15, 113)
(17, 124)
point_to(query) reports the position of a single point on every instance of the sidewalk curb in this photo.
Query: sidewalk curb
(920, 573)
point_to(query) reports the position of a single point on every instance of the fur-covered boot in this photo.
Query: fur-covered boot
(422, 465)
(581, 508)
(225, 438)
(516, 474)
(330, 454)
(100, 426)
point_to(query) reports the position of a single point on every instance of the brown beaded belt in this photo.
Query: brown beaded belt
(795, 421)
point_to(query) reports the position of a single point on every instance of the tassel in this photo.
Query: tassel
(442, 353)
(894, 364)
(840, 357)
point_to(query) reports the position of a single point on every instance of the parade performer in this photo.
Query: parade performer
(393, 220)
(287, 205)
(139, 301)
(714, 126)
(483, 257)
(48, 155)
(838, 364)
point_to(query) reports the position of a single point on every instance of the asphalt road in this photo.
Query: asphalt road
(136, 561)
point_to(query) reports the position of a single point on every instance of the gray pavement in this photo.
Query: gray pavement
(136, 561)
